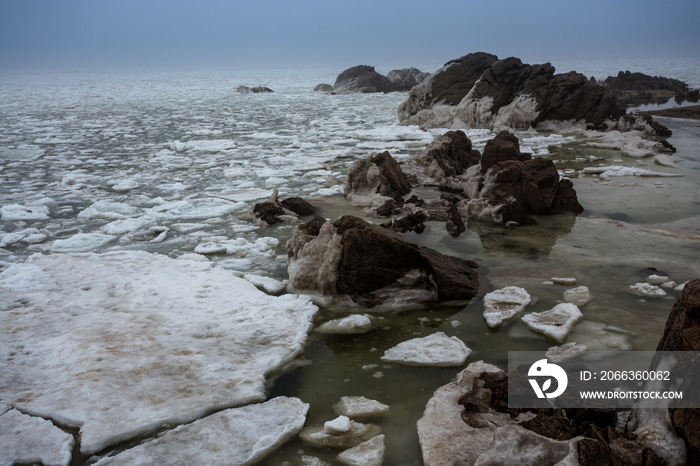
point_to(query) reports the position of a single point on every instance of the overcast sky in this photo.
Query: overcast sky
(97, 34)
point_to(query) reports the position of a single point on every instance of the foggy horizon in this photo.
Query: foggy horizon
(77, 35)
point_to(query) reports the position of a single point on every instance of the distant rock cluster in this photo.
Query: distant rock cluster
(254, 90)
(634, 89)
(364, 79)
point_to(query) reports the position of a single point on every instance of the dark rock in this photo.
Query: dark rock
(633, 89)
(388, 209)
(299, 206)
(566, 199)
(505, 146)
(414, 200)
(374, 257)
(410, 222)
(255, 90)
(313, 226)
(405, 79)
(323, 88)
(269, 212)
(451, 152)
(362, 78)
(682, 333)
(363, 178)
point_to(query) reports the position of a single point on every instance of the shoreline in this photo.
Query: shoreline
(689, 113)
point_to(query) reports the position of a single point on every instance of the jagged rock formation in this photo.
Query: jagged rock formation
(373, 181)
(371, 264)
(634, 89)
(479, 90)
(273, 211)
(502, 185)
(406, 78)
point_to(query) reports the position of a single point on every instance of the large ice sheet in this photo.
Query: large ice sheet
(233, 437)
(126, 342)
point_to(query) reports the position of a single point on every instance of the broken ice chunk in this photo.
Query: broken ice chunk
(502, 305)
(369, 453)
(359, 407)
(555, 323)
(434, 350)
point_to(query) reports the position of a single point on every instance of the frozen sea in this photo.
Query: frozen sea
(171, 164)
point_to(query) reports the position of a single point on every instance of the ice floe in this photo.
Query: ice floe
(369, 453)
(556, 323)
(434, 350)
(579, 296)
(619, 170)
(359, 407)
(647, 290)
(563, 281)
(238, 436)
(26, 439)
(320, 436)
(82, 242)
(503, 305)
(565, 352)
(136, 341)
(353, 324)
(24, 212)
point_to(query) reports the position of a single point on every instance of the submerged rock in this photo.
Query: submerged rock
(434, 350)
(256, 431)
(372, 264)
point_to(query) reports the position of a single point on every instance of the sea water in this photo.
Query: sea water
(88, 162)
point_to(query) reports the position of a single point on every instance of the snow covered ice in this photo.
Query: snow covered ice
(127, 342)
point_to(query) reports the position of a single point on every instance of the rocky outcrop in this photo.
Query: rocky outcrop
(448, 155)
(323, 88)
(373, 181)
(682, 333)
(254, 90)
(479, 90)
(371, 264)
(362, 78)
(273, 211)
(406, 78)
(634, 89)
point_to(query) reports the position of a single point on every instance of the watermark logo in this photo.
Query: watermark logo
(542, 368)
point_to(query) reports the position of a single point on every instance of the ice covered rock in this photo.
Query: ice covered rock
(372, 181)
(434, 350)
(24, 212)
(579, 296)
(556, 323)
(565, 352)
(503, 305)
(373, 264)
(354, 324)
(26, 439)
(238, 436)
(647, 290)
(82, 242)
(359, 407)
(356, 434)
(369, 453)
(339, 425)
(138, 341)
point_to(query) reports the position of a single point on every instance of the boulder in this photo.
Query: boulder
(323, 88)
(682, 333)
(483, 91)
(450, 154)
(273, 211)
(373, 181)
(363, 79)
(355, 258)
(406, 78)
(254, 90)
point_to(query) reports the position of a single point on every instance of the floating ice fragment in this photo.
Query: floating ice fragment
(125, 185)
(503, 305)
(109, 210)
(564, 281)
(434, 350)
(647, 290)
(359, 407)
(579, 296)
(657, 279)
(354, 324)
(369, 453)
(258, 429)
(24, 212)
(356, 434)
(339, 425)
(556, 323)
(618, 170)
(269, 284)
(82, 242)
(565, 352)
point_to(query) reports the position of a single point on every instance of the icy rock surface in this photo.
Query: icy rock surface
(359, 407)
(434, 350)
(369, 453)
(556, 323)
(579, 296)
(26, 440)
(502, 305)
(124, 343)
(238, 436)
